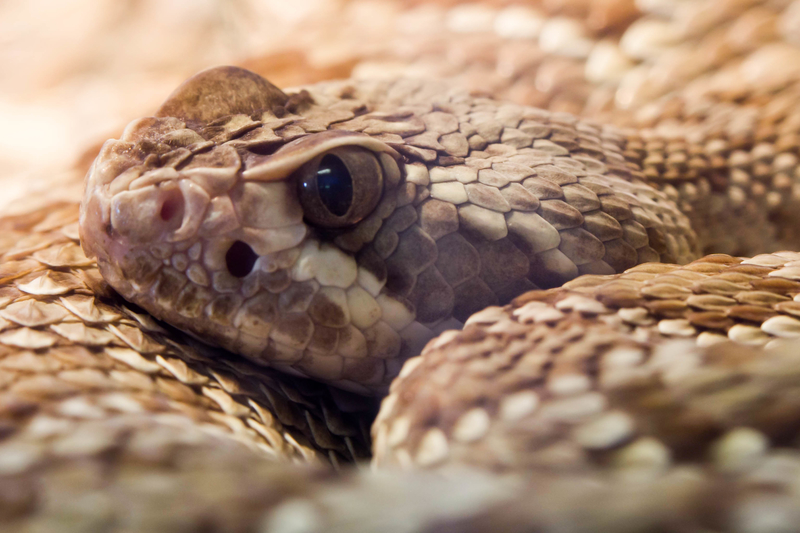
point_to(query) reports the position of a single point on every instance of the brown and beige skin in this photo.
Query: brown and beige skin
(592, 374)
(562, 380)
(111, 422)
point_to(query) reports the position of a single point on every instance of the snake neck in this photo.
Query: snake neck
(738, 189)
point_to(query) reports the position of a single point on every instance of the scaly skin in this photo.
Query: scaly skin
(479, 202)
(598, 421)
(565, 380)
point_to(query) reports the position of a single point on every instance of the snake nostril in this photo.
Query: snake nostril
(172, 207)
(240, 259)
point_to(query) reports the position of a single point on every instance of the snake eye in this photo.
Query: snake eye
(340, 187)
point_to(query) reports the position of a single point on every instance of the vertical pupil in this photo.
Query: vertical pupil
(335, 186)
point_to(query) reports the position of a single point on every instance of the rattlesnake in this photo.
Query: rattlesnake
(579, 406)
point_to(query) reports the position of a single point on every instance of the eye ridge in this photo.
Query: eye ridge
(334, 185)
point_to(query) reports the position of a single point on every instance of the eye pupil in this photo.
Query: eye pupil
(335, 185)
(240, 259)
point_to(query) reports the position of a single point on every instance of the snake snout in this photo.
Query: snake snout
(148, 213)
(170, 211)
(172, 208)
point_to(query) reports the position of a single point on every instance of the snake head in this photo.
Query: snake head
(240, 213)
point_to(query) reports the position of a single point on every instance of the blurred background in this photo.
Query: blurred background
(76, 71)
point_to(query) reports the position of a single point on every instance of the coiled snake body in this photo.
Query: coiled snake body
(333, 232)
